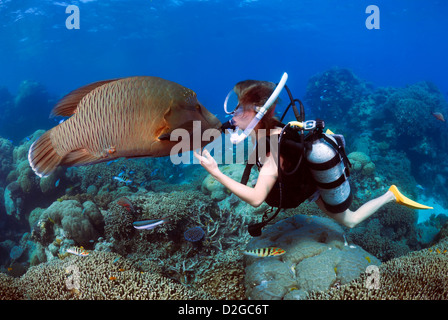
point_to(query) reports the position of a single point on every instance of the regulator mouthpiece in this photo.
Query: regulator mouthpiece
(236, 138)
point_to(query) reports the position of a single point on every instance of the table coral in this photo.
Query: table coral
(98, 276)
(224, 281)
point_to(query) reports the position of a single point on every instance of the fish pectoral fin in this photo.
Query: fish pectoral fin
(80, 157)
(67, 105)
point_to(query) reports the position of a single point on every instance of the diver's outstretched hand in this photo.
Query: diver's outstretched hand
(207, 161)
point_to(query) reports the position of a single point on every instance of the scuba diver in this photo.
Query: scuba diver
(300, 162)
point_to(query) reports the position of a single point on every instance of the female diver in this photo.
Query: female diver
(246, 116)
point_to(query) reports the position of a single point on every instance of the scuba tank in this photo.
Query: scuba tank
(323, 154)
(329, 167)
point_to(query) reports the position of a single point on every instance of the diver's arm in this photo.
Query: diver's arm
(254, 196)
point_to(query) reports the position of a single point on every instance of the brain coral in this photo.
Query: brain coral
(99, 276)
(361, 162)
(316, 258)
(80, 223)
(420, 275)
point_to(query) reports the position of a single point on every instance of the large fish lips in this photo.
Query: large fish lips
(200, 127)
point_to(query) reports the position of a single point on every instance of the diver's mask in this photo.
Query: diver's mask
(236, 137)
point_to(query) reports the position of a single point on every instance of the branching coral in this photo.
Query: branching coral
(224, 281)
(100, 275)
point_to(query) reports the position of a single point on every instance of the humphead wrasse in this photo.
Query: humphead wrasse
(129, 117)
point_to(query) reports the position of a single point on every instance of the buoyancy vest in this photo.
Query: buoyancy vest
(294, 186)
(293, 189)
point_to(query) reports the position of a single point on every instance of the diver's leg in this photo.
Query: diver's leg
(352, 218)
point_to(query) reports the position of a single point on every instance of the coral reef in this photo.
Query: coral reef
(392, 138)
(361, 162)
(317, 258)
(419, 275)
(6, 160)
(333, 94)
(194, 234)
(82, 223)
(411, 108)
(98, 276)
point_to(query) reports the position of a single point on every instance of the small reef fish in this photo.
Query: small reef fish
(265, 252)
(125, 203)
(149, 224)
(154, 172)
(123, 179)
(438, 116)
(109, 120)
(78, 251)
(110, 162)
(57, 183)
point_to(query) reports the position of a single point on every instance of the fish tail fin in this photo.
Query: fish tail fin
(44, 159)
(166, 220)
(42, 156)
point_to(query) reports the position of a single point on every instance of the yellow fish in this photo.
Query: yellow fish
(265, 252)
(128, 117)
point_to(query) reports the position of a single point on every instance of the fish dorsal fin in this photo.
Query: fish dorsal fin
(67, 105)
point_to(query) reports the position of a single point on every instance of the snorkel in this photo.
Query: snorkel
(236, 138)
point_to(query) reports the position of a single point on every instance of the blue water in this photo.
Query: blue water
(208, 46)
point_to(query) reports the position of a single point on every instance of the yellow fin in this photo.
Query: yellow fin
(401, 199)
(329, 131)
